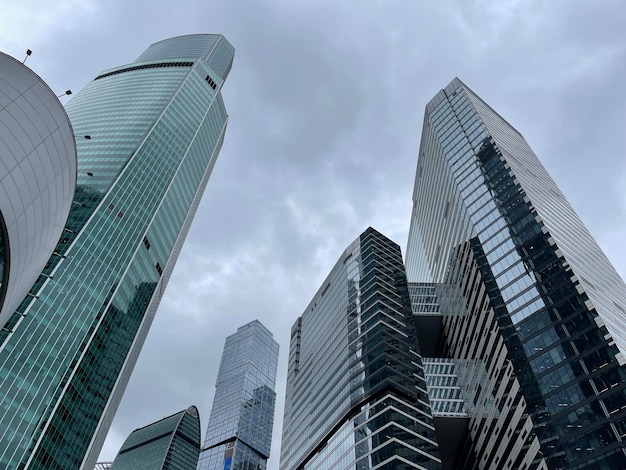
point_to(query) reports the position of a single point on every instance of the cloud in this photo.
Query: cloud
(326, 101)
(38, 20)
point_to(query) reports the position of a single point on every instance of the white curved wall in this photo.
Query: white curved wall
(37, 176)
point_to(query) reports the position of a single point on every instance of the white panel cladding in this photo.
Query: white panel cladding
(37, 175)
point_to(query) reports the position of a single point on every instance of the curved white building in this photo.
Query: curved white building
(37, 179)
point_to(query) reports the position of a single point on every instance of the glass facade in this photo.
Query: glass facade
(528, 294)
(444, 390)
(356, 394)
(239, 433)
(66, 355)
(170, 443)
(424, 299)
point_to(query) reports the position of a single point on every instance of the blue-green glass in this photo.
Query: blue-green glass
(66, 356)
(171, 443)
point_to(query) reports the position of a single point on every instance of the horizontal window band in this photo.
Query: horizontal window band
(147, 66)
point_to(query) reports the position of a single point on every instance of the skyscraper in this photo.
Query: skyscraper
(169, 443)
(239, 433)
(525, 294)
(156, 127)
(37, 179)
(356, 393)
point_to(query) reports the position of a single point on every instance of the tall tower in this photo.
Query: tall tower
(239, 433)
(356, 394)
(156, 127)
(525, 294)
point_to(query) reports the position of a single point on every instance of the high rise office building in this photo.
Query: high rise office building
(239, 433)
(156, 127)
(356, 393)
(171, 443)
(526, 298)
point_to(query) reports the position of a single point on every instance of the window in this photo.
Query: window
(211, 83)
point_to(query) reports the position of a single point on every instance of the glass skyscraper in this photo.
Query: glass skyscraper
(239, 433)
(526, 299)
(356, 393)
(172, 443)
(156, 127)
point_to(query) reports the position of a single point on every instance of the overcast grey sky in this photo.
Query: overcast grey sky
(326, 101)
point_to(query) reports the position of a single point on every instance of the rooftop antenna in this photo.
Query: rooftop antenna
(28, 53)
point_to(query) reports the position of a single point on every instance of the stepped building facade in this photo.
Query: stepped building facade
(356, 392)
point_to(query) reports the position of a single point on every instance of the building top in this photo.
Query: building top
(171, 442)
(255, 323)
(558, 219)
(339, 265)
(212, 48)
(452, 89)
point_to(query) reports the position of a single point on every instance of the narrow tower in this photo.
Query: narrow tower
(239, 433)
(156, 127)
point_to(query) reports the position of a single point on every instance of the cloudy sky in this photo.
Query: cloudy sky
(326, 101)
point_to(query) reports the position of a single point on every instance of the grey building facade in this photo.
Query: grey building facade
(524, 293)
(239, 432)
(37, 179)
(66, 354)
(356, 393)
